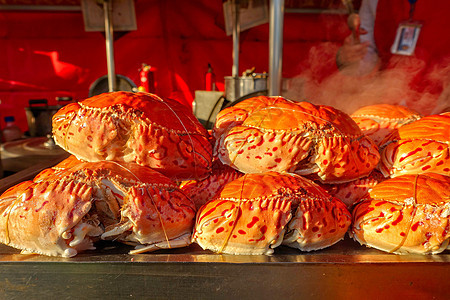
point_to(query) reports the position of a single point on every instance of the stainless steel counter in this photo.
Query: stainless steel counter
(343, 271)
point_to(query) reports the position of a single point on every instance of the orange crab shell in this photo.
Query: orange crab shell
(251, 214)
(274, 134)
(379, 120)
(350, 192)
(136, 127)
(419, 147)
(66, 212)
(406, 214)
(67, 163)
(201, 191)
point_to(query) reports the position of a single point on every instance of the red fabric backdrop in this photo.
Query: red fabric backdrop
(49, 54)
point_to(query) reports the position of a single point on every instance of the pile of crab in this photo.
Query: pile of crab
(145, 172)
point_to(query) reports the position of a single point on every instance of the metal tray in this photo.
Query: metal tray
(343, 271)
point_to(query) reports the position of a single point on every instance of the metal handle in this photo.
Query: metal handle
(64, 99)
(37, 102)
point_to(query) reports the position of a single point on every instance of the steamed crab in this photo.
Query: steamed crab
(419, 147)
(201, 191)
(405, 214)
(65, 210)
(379, 120)
(275, 134)
(350, 192)
(257, 212)
(136, 127)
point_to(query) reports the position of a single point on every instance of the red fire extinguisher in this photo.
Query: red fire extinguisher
(210, 80)
(147, 79)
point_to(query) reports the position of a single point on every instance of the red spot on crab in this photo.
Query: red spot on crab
(426, 167)
(263, 229)
(242, 231)
(253, 222)
(416, 225)
(43, 204)
(427, 143)
(220, 229)
(278, 160)
(410, 153)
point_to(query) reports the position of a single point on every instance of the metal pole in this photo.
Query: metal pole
(109, 46)
(236, 35)
(275, 46)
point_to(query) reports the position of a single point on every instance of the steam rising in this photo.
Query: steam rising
(401, 82)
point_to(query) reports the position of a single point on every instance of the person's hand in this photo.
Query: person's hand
(351, 52)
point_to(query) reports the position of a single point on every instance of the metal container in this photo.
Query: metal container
(39, 115)
(238, 87)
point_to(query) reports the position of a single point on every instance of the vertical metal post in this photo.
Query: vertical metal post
(275, 46)
(109, 46)
(236, 36)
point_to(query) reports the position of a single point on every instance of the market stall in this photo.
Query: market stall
(152, 204)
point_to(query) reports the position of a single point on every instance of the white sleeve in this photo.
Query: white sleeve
(367, 14)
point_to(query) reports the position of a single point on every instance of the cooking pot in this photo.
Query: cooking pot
(238, 87)
(39, 115)
(100, 86)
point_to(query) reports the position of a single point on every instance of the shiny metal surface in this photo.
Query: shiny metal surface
(109, 40)
(237, 87)
(344, 252)
(275, 46)
(236, 37)
(343, 271)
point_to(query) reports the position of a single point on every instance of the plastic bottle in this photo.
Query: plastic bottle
(11, 132)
